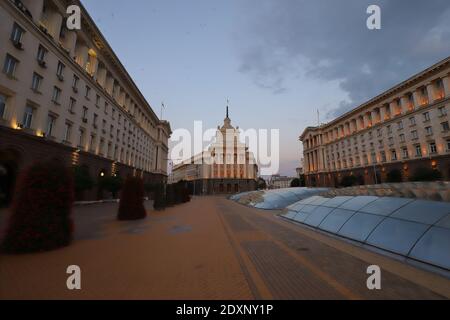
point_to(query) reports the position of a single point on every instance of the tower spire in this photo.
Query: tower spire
(228, 103)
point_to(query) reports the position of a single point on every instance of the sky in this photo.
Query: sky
(279, 62)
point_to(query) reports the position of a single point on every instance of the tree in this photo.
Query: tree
(41, 210)
(82, 180)
(395, 175)
(426, 174)
(295, 183)
(111, 184)
(131, 206)
(160, 198)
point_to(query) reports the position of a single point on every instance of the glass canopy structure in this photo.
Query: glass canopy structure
(416, 229)
(275, 199)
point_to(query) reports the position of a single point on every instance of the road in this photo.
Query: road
(210, 248)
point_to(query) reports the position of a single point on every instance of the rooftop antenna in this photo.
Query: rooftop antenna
(228, 103)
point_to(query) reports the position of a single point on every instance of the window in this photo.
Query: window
(56, 95)
(10, 66)
(418, 150)
(97, 100)
(81, 137)
(391, 140)
(429, 131)
(104, 124)
(67, 132)
(402, 138)
(414, 135)
(442, 111)
(36, 83)
(379, 132)
(113, 115)
(448, 145)
(16, 35)
(72, 105)
(75, 83)
(405, 153)
(28, 117)
(432, 147)
(106, 107)
(60, 71)
(2, 106)
(92, 143)
(426, 116)
(41, 56)
(95, 120)
(393, 155)
(85, 114)
(445, 126)
(400, 125)
(389, 129)
(383, 156)
(88, 92)
(50, 125)
(412, 121)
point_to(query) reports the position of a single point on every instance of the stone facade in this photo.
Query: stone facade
(226, 167)
(65, 94)
(404, 128)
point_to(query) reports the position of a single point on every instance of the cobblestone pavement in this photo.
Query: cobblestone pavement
(210, 248)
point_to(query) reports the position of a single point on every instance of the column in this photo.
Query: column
(416, 99)
(446, 82)
(55, 23)
(431, 92)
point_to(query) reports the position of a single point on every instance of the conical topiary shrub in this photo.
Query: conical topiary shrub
(40, 214)
(131, 206)
(160, 199)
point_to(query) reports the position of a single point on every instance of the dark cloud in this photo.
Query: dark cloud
(328, 40)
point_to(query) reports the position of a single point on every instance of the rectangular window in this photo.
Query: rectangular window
(400, 125)
(28, 117)
(405, 153)
(393, 155)
(67, 132)
(95, 120)
(402, 138)
(442, 111)
(389, 129)
(448, 145)
(9, 68)
(81, 138)
(418, 150)
(426, 116)
(36, 83)
(60, 71)
(41, 56)
(414, 135)
(56, 95)
(445, 126)
(106, 107)
(85, 114)
(50, 125)
(16, 35)
(88, 92)
(97, 100)
(412, 121)
(2, 106)
(75, 83)
(429, 131)
(433, 148)
(72, 105)
(92, 143)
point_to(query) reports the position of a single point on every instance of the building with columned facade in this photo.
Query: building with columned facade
(402, 129)
(226, 167)
(64, 94)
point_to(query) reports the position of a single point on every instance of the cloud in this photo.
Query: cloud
(329, 40)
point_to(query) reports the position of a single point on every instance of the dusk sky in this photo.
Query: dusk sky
(278, 61)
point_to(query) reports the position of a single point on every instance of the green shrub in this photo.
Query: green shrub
(131, 206)
(41, 210)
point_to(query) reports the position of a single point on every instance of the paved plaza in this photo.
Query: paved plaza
(210, 248)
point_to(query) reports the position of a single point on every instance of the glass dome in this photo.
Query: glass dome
(416, 229)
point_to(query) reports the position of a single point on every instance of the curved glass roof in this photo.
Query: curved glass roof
(276, 199)
(416, 229)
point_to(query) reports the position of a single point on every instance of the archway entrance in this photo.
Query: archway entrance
(9, 168)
